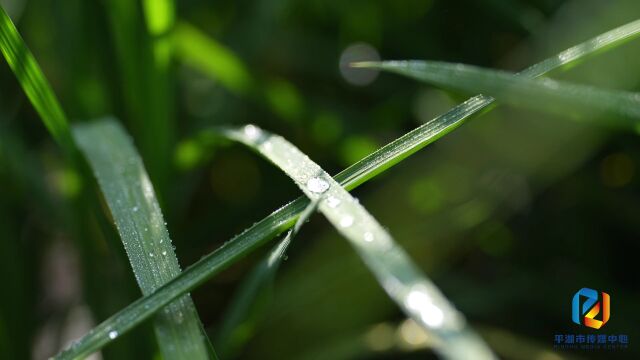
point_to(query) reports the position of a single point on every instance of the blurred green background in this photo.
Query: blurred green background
(510, 215)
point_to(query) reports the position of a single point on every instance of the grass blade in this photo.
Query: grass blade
(131, 199)
(560, 97)
(255, 294)
(350, 178)
(403, 281)
(33, 82)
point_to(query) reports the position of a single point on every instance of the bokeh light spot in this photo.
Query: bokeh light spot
(354, 53)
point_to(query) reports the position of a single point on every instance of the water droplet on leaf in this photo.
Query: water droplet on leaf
(252, 132)
(368, 237)
(333, 201)
(317, 185)
(346, 221)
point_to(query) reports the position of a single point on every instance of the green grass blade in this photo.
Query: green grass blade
(350, 178)
(403, 281)
(548, 95)
(254, 295)
(131, 199)
(33, 82)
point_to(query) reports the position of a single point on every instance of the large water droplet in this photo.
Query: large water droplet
(113, 334)
(333, 201)
(346, 221)
(317, 185)
(252, 132)
(422, 304)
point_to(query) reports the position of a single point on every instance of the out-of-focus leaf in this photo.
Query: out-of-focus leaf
(211, 57)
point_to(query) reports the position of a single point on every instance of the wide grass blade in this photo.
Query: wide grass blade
(559, 97)
(367, 168)
(403, 281)
(135, 210)
(255, 294)
(33, 82)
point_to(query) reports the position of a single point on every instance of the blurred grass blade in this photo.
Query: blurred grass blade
(213, 59)
(254, 295)
(143, 57)
(33, 82)
(403, 281)
(350, 178)
(131, 199)
(197, 49)
(559, 97)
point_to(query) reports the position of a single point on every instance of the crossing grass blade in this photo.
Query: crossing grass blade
(254, 294)
(350, 178)
(403, 281)
(548, 95)
(135, 210)
(33, 82)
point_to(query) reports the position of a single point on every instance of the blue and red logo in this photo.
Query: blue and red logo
(587, 304)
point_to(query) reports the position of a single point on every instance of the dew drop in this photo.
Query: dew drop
(164, 253)
(333, 201)
(317, 185)
(146, 229)
(150, 254)
(368, 237)
(135, 209)
(113, 334)
(346, 221)
(252, 132)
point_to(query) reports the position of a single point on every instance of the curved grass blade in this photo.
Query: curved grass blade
(33, 82)
(350, 178)
(255, 294)
(403, 281)
(131, 199)
(559, 97)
